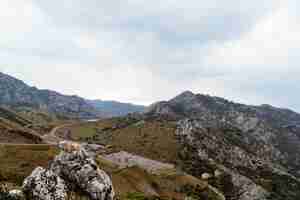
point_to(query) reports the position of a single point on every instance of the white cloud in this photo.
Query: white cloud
(263, 63)
(142, 51)
(270, 43)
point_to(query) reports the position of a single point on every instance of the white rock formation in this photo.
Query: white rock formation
(72, 169)
(81, 171)
(44, 184)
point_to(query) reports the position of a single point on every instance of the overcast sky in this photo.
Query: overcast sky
(143, 51)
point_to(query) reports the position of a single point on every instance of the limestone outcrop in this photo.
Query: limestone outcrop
(72, 170)
(44, 184)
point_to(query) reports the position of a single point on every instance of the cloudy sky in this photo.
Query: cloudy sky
(143, 51)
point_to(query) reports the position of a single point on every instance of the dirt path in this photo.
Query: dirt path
(51, 137)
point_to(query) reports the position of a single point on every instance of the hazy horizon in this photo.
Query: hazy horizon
(137, 103)
(146, 51)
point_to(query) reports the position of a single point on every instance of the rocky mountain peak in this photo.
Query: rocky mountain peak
(188, 103)
(6, 76)
(8, 82)
(263, 124)
(186, 95)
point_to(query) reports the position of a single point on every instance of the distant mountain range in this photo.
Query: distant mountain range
(115, 108)
(16, 94)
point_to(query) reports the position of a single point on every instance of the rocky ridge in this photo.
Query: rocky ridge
(15, 93)
(257, 147)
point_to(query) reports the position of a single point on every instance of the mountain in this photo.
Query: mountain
(257, 147)
(114, 108)
(237, 151)
(16, 94)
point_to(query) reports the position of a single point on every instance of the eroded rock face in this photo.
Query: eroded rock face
(44, 184)
(72, 170)
(225, 148)
(79, 170)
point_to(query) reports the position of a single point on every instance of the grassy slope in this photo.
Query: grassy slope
(136, 183)
(42, 122)
(14, 117)
(151, 139)
(18, 161)
(25, 126)
(16, 128)
(10, 132)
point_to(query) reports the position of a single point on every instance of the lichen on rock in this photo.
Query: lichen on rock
(81, 171)
(44, 184)
(72, 169)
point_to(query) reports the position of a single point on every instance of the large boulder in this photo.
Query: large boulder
(78, 169)
(44, 184)
(72, 170)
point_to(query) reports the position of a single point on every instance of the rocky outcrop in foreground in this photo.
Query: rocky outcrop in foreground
(44, 184)
(72, 170)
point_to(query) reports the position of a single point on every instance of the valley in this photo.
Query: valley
(192, 146)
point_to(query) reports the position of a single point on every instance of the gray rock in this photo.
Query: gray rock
(92, 149)
(227, 146)
(217, 173)
(16, 195)
(206, 176)
(81, 171)
(44, 184)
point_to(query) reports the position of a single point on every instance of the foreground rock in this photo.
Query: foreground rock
(16, 195)
(73, 169)
(44, 184)
(79, 169)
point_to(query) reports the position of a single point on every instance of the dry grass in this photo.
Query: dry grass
(15, 128)
(137, 180)
(18, 161)
(106, 165)
(132, 180)
(136, 183)
(154, 140)
(83, 131)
